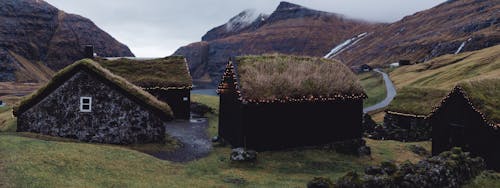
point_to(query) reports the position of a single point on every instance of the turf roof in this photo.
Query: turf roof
(169, 72)
(416, 100)
(270, 77)
(89, 65)
(485, 97)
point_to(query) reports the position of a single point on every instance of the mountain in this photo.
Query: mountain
(290, 29)
(37, 39)
(451, 27)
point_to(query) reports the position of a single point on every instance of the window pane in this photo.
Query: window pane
(86, 100)
(86, 107)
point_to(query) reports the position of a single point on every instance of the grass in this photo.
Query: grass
(374, 86)
(419, 101)
(422, 86)
(163, 72)
(28, 160)
(271, 77)
(213, 119)
(446, 71)
(8, 122)
(485, 179)
(485, 96)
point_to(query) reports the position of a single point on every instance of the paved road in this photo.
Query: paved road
(194, 138)
(391, 93)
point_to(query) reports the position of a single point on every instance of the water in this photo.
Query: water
(211, 92)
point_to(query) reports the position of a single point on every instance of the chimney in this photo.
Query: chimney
(89, 51)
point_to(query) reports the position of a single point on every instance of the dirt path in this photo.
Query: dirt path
(194, 138)
(391, 93)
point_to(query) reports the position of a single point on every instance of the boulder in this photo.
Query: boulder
(243, 155)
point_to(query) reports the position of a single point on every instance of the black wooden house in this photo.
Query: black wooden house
(167, 79)
(275, 102)
(469, 117)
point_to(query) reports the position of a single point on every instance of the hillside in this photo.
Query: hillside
(453, 26)
(446, 71)
(422, 86)
(37, 39)
(290, 29)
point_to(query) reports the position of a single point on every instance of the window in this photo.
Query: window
(185, 99)
(85, 104)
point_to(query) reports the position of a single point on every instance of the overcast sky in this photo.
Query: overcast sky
(156, 28)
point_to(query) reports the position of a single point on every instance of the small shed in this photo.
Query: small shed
(85, 101)
(405, 117)
(469, 117)
(167, 79)
(365, 68)
(274, 102)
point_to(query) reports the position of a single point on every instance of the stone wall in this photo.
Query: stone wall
(398, 127)
(115, 118)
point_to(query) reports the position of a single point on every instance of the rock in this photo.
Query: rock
(388, 168)
(320, 182)
(215, 139)
(364, 151)
(243, 155)
(419, 150)
(351, 147)
(449, 169)
(373, 170)
(200, 109)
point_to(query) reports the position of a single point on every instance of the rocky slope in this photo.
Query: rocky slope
(453, 26)
(290, 29)
(37, 39)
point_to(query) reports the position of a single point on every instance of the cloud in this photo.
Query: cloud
(155, 28)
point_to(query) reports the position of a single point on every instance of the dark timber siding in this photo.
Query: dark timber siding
(115, 118)
(175, 99)
(288, 125)
(456, 124)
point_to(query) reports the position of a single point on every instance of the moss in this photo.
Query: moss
(279, 76)
(168, 72)
(418, 101)
(484, 96)
(90, 65)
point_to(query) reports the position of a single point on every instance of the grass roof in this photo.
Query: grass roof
(169, 72)
(276, 76)
(87, 64)
(485, 97)
(416, 101)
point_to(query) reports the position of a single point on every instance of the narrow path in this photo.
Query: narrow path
(391, 93)
(194, 138)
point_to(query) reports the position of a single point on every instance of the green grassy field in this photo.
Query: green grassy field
(34, 161)
(374, 86)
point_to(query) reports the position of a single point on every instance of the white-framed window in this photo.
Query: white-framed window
(85, 104)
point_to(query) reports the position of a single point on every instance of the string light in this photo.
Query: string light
(461, 91)
(230, 73)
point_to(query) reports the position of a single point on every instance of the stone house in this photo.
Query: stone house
(275, 102)
(469, 117)
(167, 79)
(87, 102)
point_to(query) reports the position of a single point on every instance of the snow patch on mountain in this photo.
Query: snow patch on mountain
(243, 20)
(346, 44)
